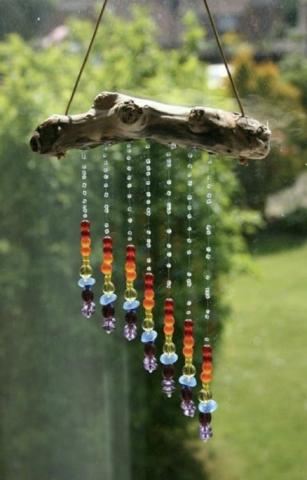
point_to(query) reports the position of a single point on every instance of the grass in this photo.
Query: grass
(261, 376)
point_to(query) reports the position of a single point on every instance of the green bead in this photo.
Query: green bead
(130, 294)
(169, 348)
(189, 370)
(204, 395)
(108, 288)
(86, 271)
(148, 325)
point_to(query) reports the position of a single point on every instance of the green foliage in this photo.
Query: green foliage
(73, 398)
(274, 94)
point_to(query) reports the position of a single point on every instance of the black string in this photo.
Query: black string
(86, 55)
(218, 41)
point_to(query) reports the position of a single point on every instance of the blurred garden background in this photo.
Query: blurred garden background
(75, 403)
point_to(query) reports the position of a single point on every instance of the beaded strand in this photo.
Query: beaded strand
(187, 379)
(169, 356)
(206, 404)
(149, 334)
(86, 281)
(131, 303)
(108, 297)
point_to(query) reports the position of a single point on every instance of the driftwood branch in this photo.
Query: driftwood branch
(117, 118)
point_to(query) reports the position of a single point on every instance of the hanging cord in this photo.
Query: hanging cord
(218, 41)
(86, 56)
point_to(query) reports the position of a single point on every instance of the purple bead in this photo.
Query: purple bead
(150, 362)
(149, 349)
(88, 309)
(168, 371)
(108, 324)
(108, 310)
(130, 331)
(87, 295)
(131, 317)
(205, 432)
(205, 418)
(168, 386)
(186, 394)
(188, 408)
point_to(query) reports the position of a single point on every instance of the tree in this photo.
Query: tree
(76, 403)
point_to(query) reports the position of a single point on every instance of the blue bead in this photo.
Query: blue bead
(168, 358)
(131, 305)
(149, 336)
(188, 381)
(207, 407)
(106, 299)
(86, 282)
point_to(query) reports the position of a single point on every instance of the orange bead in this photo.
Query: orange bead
(187, 351)
(208, 371)
(189, 341)
(106, 269)
(169, 321)
(130, 263)
(85, 251)
(131, 276)
(148, 303)
(85, 241)
(108, 260)
(168, 330)
(205, 377)
(169, 316)
(149, 293)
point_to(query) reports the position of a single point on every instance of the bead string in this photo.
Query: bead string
(187, 379)
(149, 334)
(169, 356)
(131, 303)
(206, 404)
(108, 296)
(86, 281)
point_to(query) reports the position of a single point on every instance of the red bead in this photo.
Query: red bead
(131, 249)
(107, 241)
(85, 225)
(85, 233)
(107, 250)
(169, 302)
(207, 349)
(149, 278)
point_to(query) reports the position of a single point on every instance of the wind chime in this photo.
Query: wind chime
(118, 118)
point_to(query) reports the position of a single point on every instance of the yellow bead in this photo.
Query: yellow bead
(189, 370)
(188, 361)
(86, 270)
(204, 395)
(86, 260)
(130, 294)
(148, 314)
(108, 287)
(169, 348)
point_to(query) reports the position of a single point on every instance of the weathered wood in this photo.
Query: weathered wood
(117, 118)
